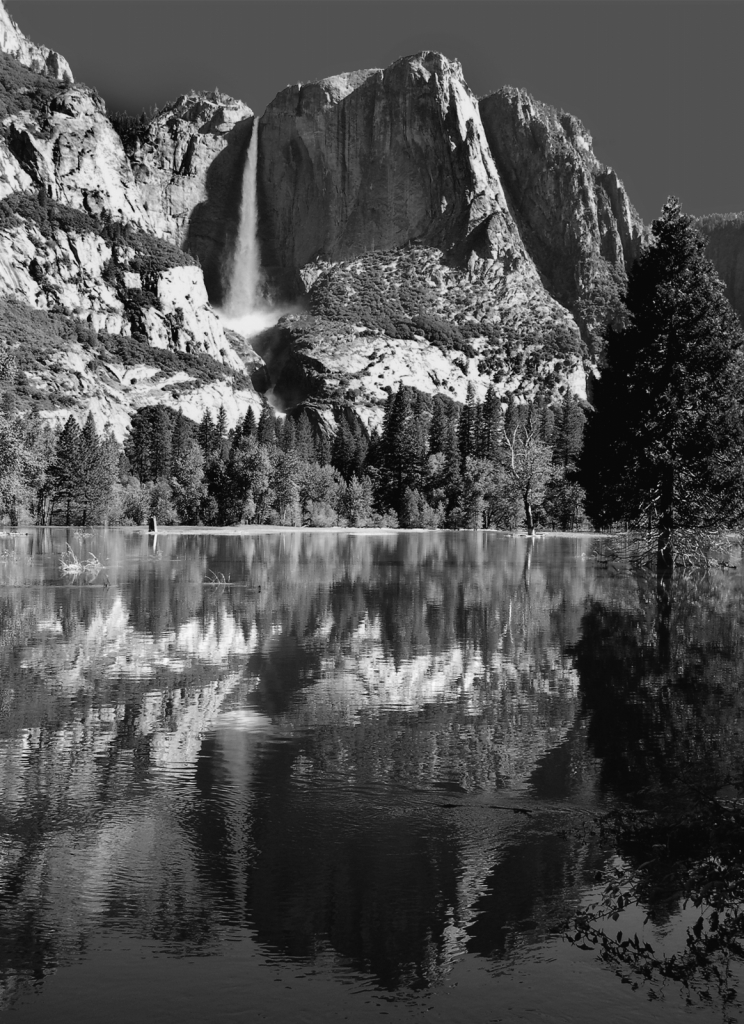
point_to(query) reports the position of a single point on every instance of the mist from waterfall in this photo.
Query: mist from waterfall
(244, 309)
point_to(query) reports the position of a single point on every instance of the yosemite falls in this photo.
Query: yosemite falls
(244, 309)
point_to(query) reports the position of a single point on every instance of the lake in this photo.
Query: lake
(309, 776)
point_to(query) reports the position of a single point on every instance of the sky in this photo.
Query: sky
(658, 84)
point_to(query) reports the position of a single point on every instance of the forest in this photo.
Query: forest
(433, 464)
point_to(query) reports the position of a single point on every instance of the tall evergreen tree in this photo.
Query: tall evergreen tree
(95, 475)
(266, 432)
(466, 432)
(666, 441)
(490, 432)
(207, 437)
(63, 471)
(400, 448)
(179, 440)
(438, 426)
(304, 441)
(569, 432)
(137, 445)
(161, 443)
(248, 427)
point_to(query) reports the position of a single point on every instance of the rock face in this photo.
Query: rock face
(725, 235)
(39, 58)
(424, 235)
(374, 159)
(375, 162)
(62, 152)
(113, 391)
(69, 272)
(179, 167)
(71, 151)
(572, 212)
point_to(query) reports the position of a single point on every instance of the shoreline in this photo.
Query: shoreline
(256, 529)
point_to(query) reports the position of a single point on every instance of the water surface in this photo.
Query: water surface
(362, 776)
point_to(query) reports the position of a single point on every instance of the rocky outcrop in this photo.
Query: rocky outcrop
(180, 169)
(572, 212)
(76, 380)
(396, 163)
(407, 316)
(375, 159)
(71, 151)
(725, 237)
(69, 272)
(39, 58)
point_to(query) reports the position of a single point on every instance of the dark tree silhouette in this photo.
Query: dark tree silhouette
(664, 446)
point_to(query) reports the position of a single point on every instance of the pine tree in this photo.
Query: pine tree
(221, 441)
(400, 449)
(466, 431)
(304, 441)
(288, 435)
(490, 432)
(179, 440)
(666, 441)
(94, 476)
(63, 471)
(266, 432)
(569, 432)
(438, 426)
(206, 436)
(161, 440)
(248, 427)
(137, 446)
(323, 447)
(452, 474)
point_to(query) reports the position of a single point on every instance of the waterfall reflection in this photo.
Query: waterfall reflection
(312, 753)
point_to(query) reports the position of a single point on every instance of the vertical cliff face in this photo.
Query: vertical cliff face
(572, 212)
(374, 159)
(188, 168)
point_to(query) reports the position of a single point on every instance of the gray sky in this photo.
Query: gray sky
(658, 83)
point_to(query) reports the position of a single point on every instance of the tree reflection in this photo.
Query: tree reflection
(661, 685)
(661, 682)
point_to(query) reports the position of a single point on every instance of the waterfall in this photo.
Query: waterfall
(242, 291)
(243, 308)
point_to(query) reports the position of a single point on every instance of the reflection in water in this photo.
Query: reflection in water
(663, 688)
(366, 751)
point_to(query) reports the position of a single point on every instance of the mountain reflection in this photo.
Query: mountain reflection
(311, 752)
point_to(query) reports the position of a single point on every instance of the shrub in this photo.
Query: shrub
(24, 89)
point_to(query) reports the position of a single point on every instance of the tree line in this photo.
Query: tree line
(432, 464)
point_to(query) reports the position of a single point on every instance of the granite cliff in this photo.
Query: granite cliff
(79, 240)
(573, 213)
(188, 166)
(422, 236)
(396, 163)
